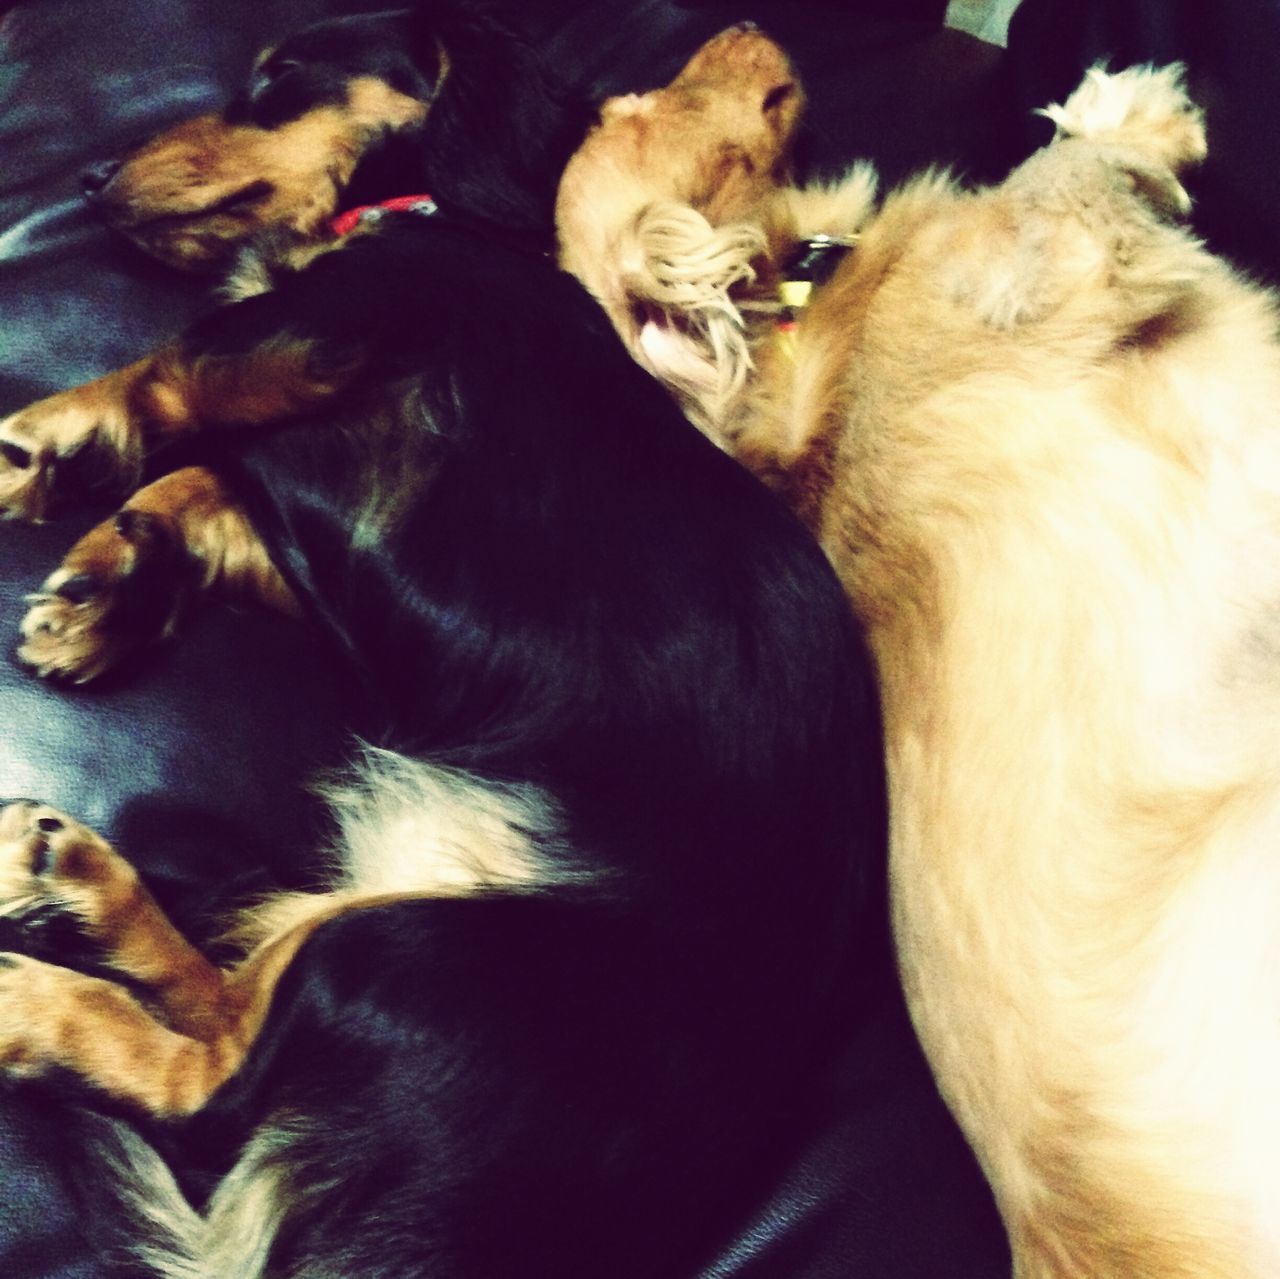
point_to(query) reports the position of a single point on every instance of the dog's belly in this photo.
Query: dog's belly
(1208, 1019)
(1112, 1054)
(1082, 709)
(1093, 964)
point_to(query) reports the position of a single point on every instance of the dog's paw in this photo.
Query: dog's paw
(1146, 111)
(1148, 105)
(49, 861)
(60, 443)
(121, 586)
(27, 468)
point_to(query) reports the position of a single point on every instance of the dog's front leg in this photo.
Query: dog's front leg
(105, 429)
(129, 579)
(93, 425)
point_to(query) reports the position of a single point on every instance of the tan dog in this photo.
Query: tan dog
(1035, 428)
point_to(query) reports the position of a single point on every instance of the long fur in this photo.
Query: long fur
(616, 840)
(1035, 430)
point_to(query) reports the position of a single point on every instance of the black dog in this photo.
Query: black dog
(593, 902)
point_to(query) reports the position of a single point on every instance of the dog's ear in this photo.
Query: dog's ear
(503, 125)
(675, 277)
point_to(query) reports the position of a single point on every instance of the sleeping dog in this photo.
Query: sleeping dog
(596, 884)
(1035, 429)
(328, 118)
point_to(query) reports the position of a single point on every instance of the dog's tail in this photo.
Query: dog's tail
(157, 1227)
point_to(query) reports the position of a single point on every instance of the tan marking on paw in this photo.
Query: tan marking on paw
(49, 859)
(34, 440)
(71, 631)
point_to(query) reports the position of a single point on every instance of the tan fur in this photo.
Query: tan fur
(167, 1050)
(234, 1234)
(1035, 429)
(100, 415)
(196, 193)
(188, 527)
(158, 399)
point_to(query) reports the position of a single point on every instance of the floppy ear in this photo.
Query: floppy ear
(676, 271)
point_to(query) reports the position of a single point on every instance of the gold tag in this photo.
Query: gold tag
(794, 293)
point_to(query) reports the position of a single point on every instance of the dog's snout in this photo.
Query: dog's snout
(745, 25)
(94, 180)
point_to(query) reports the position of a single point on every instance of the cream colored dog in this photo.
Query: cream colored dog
(1037, 429)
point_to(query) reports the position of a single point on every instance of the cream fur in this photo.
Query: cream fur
(234, 1235)
(407, 830)
(1035, 428)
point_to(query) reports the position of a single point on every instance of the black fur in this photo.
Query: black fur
(314, 66)
(579, 593)
(498, 138)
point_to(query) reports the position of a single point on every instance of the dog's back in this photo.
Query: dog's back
(577, 605)
(614, 844)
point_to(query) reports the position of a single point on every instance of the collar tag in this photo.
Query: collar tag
(793, 294)
(811, 264)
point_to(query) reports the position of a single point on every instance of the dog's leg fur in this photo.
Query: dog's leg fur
(177, 390)
(127, 581)
(48, 860)
(272, 354)
(410, 831)
(54, 1017)
(57, 1018)
(167, 1061)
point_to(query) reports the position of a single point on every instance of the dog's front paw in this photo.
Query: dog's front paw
(121, 586)
(63, 442)
(1145, 110)
(27, 467)
(49, 861)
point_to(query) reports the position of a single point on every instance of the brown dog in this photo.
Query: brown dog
(1035, 429)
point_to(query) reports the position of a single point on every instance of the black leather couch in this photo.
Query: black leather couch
(195, 759)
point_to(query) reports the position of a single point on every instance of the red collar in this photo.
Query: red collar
(347, 221)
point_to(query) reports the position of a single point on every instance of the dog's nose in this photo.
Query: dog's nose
(95, 178)
(745, 25)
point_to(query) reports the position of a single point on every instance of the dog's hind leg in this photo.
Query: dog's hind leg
(163, 1049)
(1080, 234)
(128, 580)
(166, 1048)
(1142, 123)
(50, 862)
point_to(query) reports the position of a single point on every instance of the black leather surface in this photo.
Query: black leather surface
(195, 760)
(1230, 50)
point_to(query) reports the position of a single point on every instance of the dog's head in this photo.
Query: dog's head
(444, 99)
(663, 210)
(283, 152)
